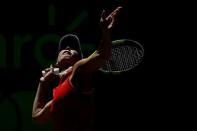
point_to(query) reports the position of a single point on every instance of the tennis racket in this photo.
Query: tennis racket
(126, 55)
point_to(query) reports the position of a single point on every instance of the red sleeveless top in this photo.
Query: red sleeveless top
(71, 110)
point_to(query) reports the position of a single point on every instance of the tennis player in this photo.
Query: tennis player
(72, 105)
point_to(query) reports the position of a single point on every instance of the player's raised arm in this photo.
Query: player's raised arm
(83, 69)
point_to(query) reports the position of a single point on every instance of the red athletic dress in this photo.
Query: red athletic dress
(72, 110)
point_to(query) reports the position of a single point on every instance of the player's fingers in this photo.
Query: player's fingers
(111, 24)
(103, 14)
(116, 11)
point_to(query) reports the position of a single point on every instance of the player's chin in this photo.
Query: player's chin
(68, 60)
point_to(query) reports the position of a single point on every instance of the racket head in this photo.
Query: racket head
(126, 55)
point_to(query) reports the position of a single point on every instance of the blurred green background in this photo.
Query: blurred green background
(29, 35)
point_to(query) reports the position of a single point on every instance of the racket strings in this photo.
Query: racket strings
(123, 58)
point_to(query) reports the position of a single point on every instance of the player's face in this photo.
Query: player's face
(67, 56)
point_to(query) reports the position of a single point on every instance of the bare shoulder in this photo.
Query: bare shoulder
(82, 66)
(81, 73)
(90, 64)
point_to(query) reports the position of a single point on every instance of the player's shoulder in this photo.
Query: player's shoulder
(80, 64)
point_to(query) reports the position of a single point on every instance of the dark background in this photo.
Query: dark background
(140, 98)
